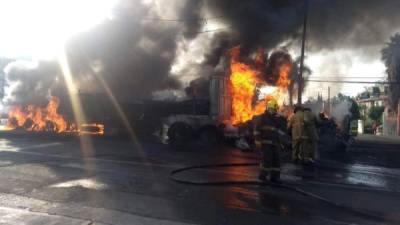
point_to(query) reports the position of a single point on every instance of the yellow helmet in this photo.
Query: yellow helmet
(272, 104)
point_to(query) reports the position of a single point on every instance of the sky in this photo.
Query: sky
(329, 65)
(39, 30)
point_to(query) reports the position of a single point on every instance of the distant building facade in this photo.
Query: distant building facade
(378, 96)
(372, 96)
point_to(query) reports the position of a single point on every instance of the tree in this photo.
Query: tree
(363, 111)
(391, 58)
(295, 78)
(375, 113)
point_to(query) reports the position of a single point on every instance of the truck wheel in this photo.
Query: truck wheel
(179, 134)
(209, 137)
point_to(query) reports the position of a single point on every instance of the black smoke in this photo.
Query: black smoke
(254, 23)
(362, 26)
(135, 50)
(352, 24)
(32, 83)
(331, 23)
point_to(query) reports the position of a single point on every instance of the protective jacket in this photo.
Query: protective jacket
(310, 128)
(296, 125)
(268, 128)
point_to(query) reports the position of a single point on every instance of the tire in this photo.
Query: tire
(179, 134)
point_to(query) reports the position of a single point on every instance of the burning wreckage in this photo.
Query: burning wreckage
(47, 119)
(232, 100)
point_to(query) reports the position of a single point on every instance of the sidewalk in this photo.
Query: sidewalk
(370, 138)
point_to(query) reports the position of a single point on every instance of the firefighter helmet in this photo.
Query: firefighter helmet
(272, 104)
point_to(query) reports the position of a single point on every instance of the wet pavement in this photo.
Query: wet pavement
(57, 181)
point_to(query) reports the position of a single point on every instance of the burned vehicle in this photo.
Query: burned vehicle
(233, 100)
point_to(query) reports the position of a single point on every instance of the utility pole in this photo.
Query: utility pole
(2, 81)
(329, 101)
(398, 120)
(303, 42)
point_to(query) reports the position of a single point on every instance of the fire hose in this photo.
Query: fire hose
(356, 211)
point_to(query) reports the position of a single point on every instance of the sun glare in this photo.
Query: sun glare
(39, 28)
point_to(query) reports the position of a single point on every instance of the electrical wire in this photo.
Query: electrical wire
(207, 31)
(344, 77)
(182, 20)
(352, 82)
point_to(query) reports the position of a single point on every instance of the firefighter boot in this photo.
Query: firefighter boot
(309, 165)
(276, 177)
(263, 176)
(308, 170)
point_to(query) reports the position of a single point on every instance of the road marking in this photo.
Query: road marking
(16, 149)
(89, 183)
(353, 186)
(26, 216)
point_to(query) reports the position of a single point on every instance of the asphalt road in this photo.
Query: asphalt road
(58, 180)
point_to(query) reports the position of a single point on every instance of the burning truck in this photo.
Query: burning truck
(231, 102)
(234, 100)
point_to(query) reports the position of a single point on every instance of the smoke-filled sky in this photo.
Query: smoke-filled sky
(144, 47)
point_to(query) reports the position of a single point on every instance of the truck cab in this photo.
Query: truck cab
(206, 125)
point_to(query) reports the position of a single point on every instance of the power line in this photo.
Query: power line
(347, 75)
(354, 82)
(207, 31)
(350, 77)
(182, 20)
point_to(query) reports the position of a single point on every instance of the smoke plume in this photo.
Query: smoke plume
(154, 45)
(358, 26)
(32, 82)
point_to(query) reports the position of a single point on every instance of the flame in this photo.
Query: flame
(16, 114)
(243, 87)
(34, 118)
(92, 128)
(52, 115)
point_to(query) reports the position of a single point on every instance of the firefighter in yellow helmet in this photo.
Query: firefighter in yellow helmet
(296, 127)
(268, 128)
(310, 142)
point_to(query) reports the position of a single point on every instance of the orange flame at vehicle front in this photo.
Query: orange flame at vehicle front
(243, 84)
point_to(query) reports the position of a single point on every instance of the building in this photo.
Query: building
(378, 96)
(372, 96)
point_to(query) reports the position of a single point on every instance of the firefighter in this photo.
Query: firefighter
(311, 137)
(296, 127)
(268, 128)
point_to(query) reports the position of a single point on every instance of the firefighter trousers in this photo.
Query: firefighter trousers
(297, 150)
(270, 163)
(309, 148)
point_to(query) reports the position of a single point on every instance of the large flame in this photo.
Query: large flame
(34, 118)
(244, 81)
